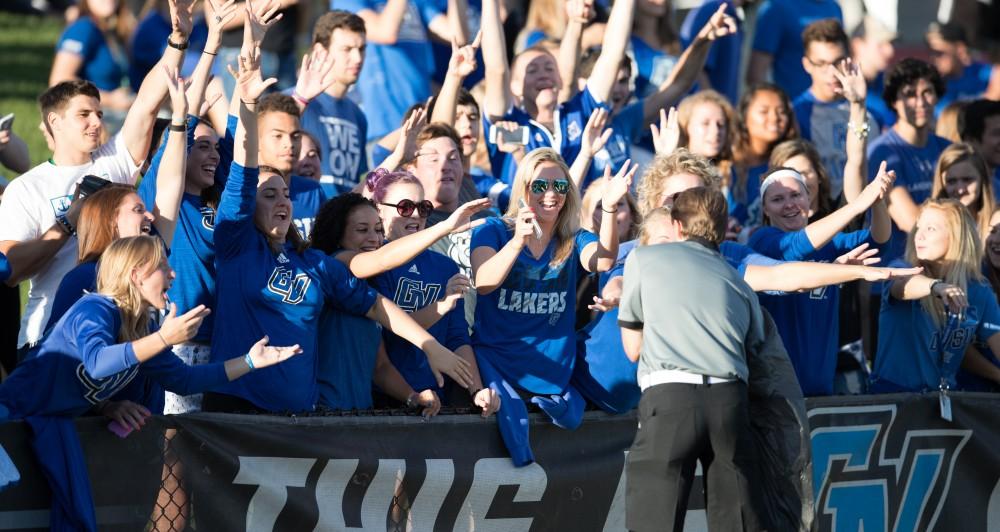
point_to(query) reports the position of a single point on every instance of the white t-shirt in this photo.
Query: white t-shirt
(29, 208)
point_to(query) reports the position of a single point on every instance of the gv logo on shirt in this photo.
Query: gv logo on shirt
(97, 390)
(412, 295)
(870, 476)
(292, 287)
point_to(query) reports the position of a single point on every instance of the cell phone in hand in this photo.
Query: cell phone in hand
(7, 122)
(499, 135)
(119, 429)
(534, 223)
(89, 185)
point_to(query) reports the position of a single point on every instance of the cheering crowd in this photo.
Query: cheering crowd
(441, 205)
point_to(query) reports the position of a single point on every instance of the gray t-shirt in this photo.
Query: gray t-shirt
(696, 313)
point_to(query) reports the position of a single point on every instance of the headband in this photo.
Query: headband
(778, 174)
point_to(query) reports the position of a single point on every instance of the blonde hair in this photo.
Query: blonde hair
(724, 160)
(681, 161)
(656, 216)
(114, 279)
(568, 221)
(947, 122)
(982, 208)
(960, 264)
(589, 203)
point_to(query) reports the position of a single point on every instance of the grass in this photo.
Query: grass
(28, 44)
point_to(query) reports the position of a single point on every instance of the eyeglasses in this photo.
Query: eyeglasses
(406, 207)
(540, 186)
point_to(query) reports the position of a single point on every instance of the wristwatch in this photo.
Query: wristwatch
(65, 224)
(411, 401)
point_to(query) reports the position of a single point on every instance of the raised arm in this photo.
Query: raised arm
(854, 88)
(217, 14)
(249, 83)
(578, 12)
(402, 250)
(138, 127)
(823, 230)
(595, 136)
(170, 178)
(498, 97)
(600, 257)
(383, 27)
(616, 36)
(690, 65)
(462, 63)
(490, 267)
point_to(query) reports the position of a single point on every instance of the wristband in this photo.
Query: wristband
(860, 131)
(253, 102)
(610, 212)
(65, 224)
(162, 339)
(411, 401)
(934, 285)
(298, 97)
(179, 46)
(249, 361)
(474, 392)
(209, 53)
(179, 128)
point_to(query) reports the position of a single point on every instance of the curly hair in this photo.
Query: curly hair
(680, 161)
(331, 220)
(907, 72)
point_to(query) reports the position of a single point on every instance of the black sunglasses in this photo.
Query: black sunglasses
(406, 207)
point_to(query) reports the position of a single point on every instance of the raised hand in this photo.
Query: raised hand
(879, 187)
(406, 146)
(581, 11)
(261, 15)
(463, 58)
(179, 329)
(616, 187)
(176, 88)
(249, 84)
(182, 17)
(460, 220)
(264, 355)
(315, 74)
(595, 136)
(853, 86)
(219, 13)
(859, 256)
(443, 360)
(720, 25)
(488, 400)
(668, 135)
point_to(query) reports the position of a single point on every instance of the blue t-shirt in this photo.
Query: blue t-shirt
(81, 363)
(395, 76)
(723, 62)
(825, 125)
(652, 66)
(746, 209)
(347, 348)
(490, 187)
(101, 66)
(779, 33)
(910, 343)
(413, 286)
(503, 165)
(808, 322)
(307, 198)
(342, 131)
(192, 251)
(914, 170)
(280, 295)
(150, 40)
(627, 126)
(970, 85)
(524, 328)
(74, 285)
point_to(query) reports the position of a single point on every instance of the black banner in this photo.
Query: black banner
(884, 463)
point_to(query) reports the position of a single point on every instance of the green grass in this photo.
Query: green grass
(28, 45)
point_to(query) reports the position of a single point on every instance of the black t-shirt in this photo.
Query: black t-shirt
(280, 38)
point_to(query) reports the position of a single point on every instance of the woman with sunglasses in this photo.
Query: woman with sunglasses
(525, 271)
(418, 286)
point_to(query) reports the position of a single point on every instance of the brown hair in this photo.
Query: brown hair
(57, 97)
(827, 30)
(982, 208)
(741, 136)
(724, 161)
(791, 148)
(278, 103)
(702, 213)
(98, 225)
(292, 235)
(337, 19)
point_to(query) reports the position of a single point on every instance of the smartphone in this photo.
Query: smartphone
(119, 429)
(534, 223)
(7, 122)
(499, 135)
(89, 185)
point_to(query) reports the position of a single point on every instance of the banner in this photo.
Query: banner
(880, 463)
